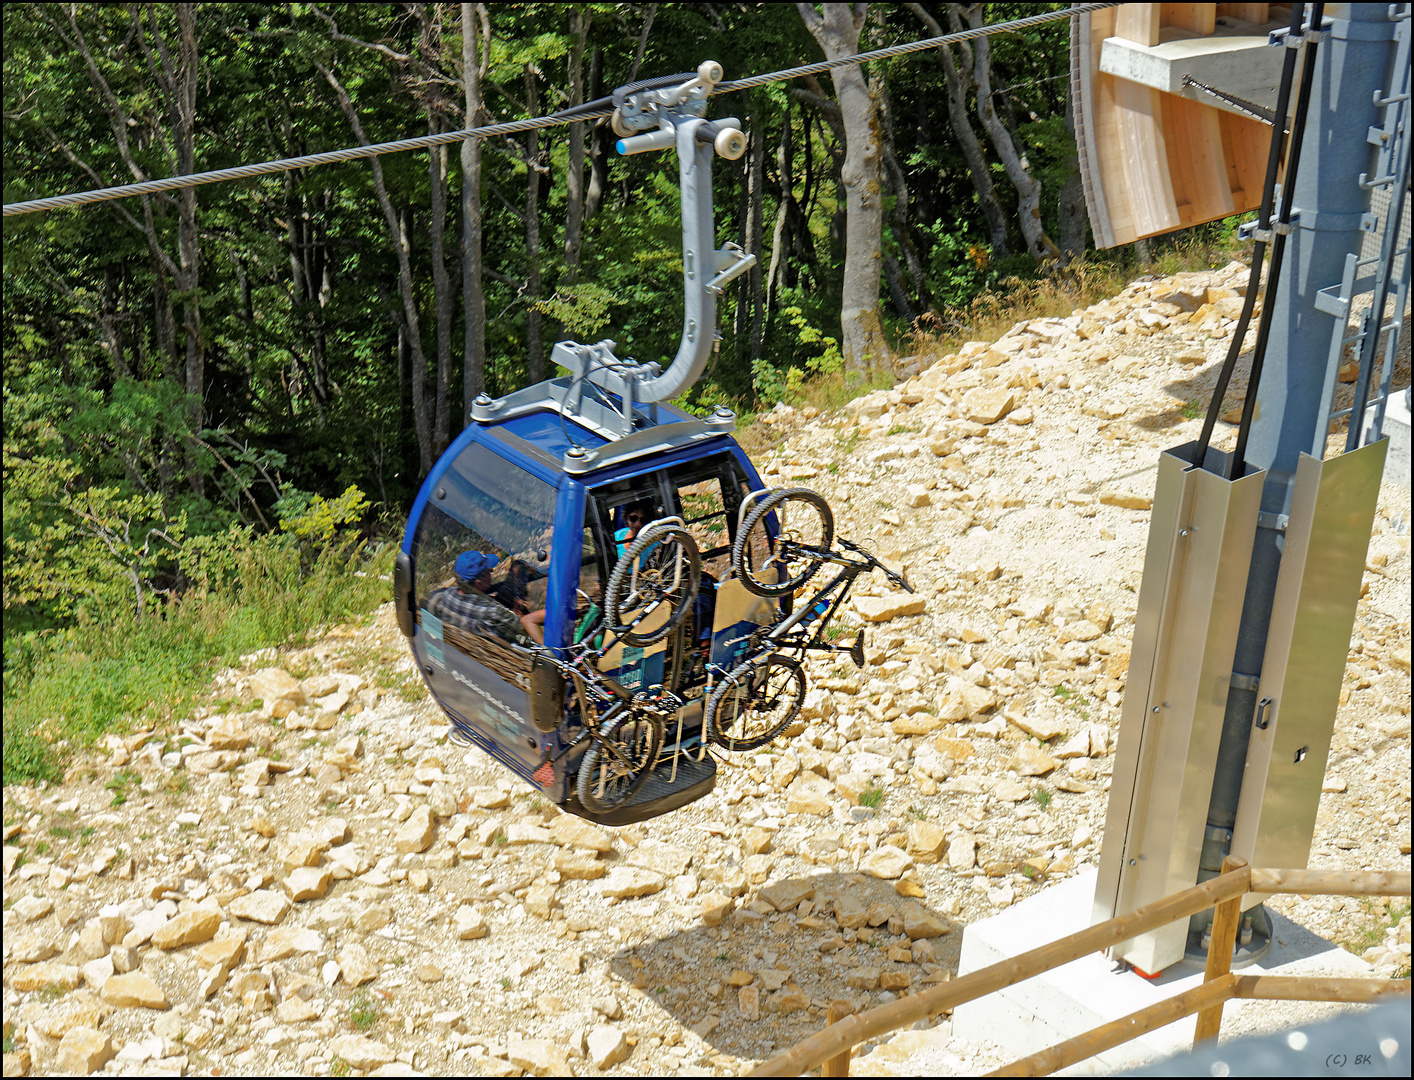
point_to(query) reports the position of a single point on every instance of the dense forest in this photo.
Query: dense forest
(283, 357)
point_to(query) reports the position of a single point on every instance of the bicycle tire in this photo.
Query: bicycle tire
(818, 532)
(755, 703)
(652, 589)
(605, 783)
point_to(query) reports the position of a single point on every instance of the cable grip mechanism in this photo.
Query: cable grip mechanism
(657, 115)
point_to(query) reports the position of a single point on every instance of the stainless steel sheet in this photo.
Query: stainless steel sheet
(1327, 537)
(1190, 607)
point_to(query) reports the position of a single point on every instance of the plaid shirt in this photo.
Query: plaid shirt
(480, 614)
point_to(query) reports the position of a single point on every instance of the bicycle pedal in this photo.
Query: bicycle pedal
(856, 651)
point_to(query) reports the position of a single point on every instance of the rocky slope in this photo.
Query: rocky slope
(306, 875)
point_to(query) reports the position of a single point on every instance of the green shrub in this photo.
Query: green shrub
(69, 687)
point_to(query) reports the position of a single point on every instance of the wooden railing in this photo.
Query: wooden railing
(829, 1050)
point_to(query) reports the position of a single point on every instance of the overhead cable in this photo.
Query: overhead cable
(589, 111)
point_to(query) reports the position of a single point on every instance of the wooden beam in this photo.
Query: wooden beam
(1138, 22)
(1195, 18)
(1253, 13)
(1143, 158)
(853, 1030)
(1107, 1036)
(1318, 988)
(1332, 882)
(1222, 942)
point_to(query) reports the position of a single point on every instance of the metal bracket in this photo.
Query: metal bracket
(1242, 681)
(1248, 230)
(1275, 522)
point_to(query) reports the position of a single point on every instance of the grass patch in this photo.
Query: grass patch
(67, 688)
(1043, 797)
(1193, 410)
(872, 796)
(364, 1012)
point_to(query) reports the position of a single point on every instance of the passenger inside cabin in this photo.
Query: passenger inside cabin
(470, 606)
(636, 515)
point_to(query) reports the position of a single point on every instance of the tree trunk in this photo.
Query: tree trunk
(599, 139)
(755, 230)
(903, 234)
(1028, 188)
(441, 290)
(574, 179)
(837, 29)
(473, 298)
(398, 235)
(785, 166)
(977, 168)
(534, 346)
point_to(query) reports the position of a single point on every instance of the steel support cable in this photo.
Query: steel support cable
(589, 111)
(1259, 249)
(1238, 466)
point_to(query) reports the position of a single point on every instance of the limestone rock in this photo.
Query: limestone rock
(785, 895)
(809, 793)
(469, 923)
(878, 609)
(714, 907)
(667, 860)
(887, 862)
(1034, 722)
(962, 852)
(862, 978)
(539, 1057)
(224, 952)
(607, 1046)
(361, 1052)
(919, 723)
(985, 405)
(926, 841)
(1010, 790)
(748, 999)
(274, 686)
(134, 989)
(262, 906)
(415, 835)
(287, 941)
(300, 850)
(850, 913)
(1111, 497)
(188, 928)
(520, 833)
(45, 974)
(574, 832)
(578, 866)
(1032, 760)
(355, 966)
(82, 1050)
(919, 922)
(625, 882)
(308, 882)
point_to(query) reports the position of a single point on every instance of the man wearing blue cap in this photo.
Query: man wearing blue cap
(468, 606)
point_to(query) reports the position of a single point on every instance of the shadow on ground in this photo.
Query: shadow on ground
(764, 978)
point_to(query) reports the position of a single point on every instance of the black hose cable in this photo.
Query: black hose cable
(1259, 249)
(1238, 466)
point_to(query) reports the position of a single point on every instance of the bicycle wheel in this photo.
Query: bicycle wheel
(806, 530)
(755, 703)
(618, 762)
(661, 566)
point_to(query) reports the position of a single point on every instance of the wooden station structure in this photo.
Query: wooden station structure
(1158, 152)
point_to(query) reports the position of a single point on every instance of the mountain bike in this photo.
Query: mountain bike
(760, 697)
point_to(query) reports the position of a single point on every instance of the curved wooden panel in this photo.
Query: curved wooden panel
(1156, 154)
